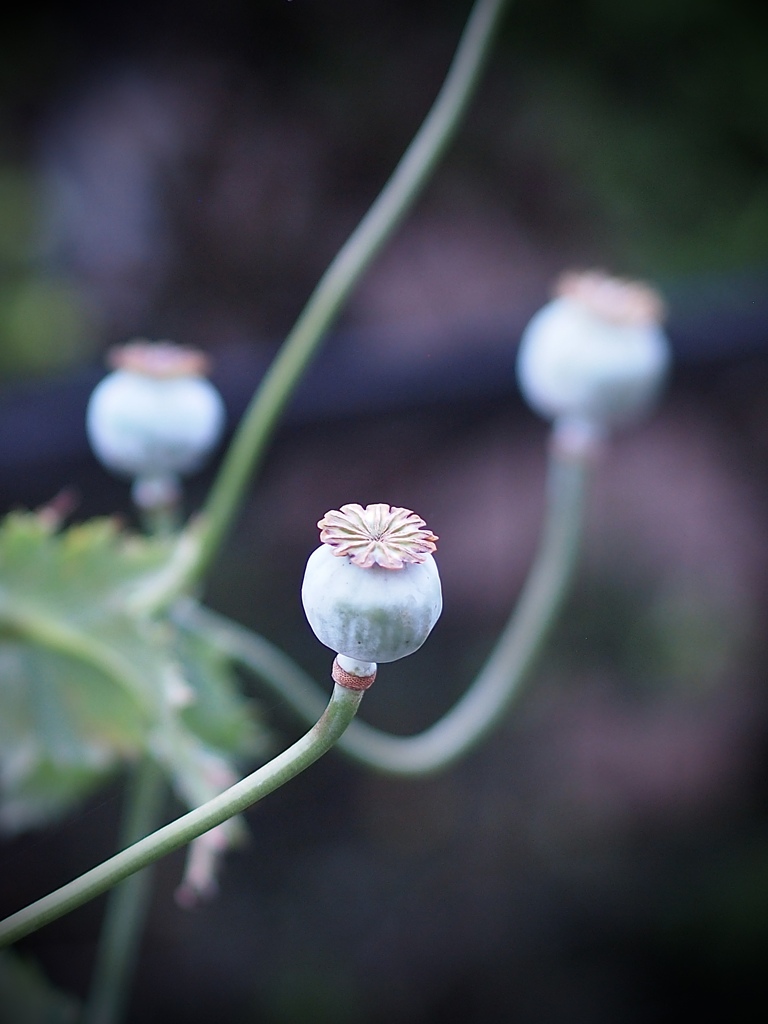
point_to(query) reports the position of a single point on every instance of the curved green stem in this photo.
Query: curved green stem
(320, 738)
(127, 906)
(338, 282)
(500, 679)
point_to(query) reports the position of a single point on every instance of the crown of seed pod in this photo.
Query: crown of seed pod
(371, 591)
(155, 416)
(595, 355)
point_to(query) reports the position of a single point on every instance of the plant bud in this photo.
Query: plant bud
(371, 591)
(155, 416)
(595, 356)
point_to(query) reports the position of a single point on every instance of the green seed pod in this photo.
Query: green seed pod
(371, 591)
(155, 417)
(595, 356)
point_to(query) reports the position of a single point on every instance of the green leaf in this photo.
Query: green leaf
(63, 729)
(218, 713)
(69, 592)
(27, 997)
(207, 727)
(89, 680)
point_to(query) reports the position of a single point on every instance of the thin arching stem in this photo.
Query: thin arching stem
(126, 909)
(337, 284)
(499, 681)
(320, 738)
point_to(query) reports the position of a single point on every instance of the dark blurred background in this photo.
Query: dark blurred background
(186, 171)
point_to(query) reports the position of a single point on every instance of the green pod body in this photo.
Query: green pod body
(370, 614)
(595, 354)
(142, 426)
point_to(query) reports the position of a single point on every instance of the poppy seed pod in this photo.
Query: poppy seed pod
(371, 591)
(155, 417)
(596, 355)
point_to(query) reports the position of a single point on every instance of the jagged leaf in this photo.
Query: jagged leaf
(211, 726)
(63, 728)
(88, 679)
(218, 713)
(69, 592)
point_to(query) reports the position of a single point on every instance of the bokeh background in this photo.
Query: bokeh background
(186, 171)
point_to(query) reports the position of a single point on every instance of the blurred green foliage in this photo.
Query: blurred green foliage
(656, 112)
(27, 997)
(88, 685)
(635, 132)
(44, 324)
